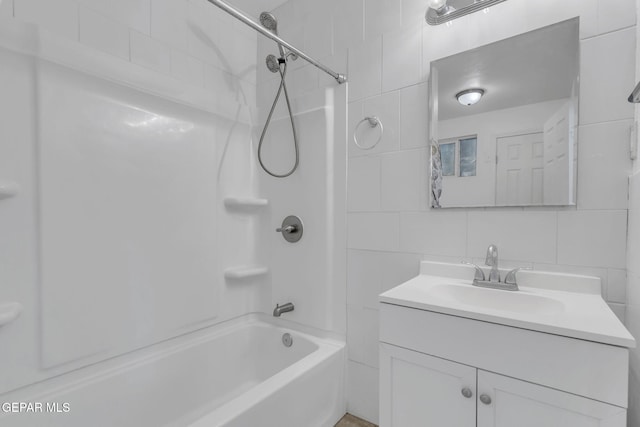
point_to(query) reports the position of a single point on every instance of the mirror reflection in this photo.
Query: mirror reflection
(504, 122)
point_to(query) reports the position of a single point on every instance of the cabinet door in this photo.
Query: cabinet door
(507, 402)
(420, 390)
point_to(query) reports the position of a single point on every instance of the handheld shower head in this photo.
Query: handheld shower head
(272, 63)
(271, 23)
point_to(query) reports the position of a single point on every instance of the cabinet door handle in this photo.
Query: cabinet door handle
(466, 392)
(486, 399)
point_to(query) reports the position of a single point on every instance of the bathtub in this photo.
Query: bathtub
(236, 374)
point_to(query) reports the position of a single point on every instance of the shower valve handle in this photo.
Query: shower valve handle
(287, 229)
(291, 229)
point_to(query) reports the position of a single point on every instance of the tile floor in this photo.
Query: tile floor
(350, 421)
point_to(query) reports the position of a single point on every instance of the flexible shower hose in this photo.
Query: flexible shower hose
(283, 86)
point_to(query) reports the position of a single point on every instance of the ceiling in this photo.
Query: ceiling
(538, 66)
(254, 7)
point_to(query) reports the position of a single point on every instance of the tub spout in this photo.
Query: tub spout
(284, 308)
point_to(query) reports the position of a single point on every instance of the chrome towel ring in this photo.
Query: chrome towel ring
(373, 122)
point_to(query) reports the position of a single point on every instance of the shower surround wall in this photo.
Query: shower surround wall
(633, 268)
(150, 265)
(633, 294)
(388, 48)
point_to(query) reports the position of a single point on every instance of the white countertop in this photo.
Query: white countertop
(559, 304)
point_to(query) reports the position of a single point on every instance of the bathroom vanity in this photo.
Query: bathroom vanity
(452, 354)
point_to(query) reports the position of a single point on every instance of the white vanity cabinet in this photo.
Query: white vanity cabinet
(422, 390)
(454, 355)
(513, 402)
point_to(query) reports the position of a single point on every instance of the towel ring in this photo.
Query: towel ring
(373, 122)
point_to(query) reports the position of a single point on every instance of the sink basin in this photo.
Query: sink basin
(495, 299)
(554, 303)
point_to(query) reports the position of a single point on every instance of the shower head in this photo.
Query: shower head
(269, 22)
(272, 63)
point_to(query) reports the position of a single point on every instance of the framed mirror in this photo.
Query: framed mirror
(504, 121)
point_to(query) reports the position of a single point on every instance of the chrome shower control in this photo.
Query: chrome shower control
(291, 229)
(466, 392)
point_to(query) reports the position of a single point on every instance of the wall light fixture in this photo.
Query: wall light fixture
(441, 11)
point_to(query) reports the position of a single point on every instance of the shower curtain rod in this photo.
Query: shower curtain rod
(340, 78)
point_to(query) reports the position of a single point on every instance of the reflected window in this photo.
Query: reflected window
(459, 156)
(468, 155)
(448, 158)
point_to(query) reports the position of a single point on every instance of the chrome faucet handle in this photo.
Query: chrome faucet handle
(510, 278)
(492, 256)
(479, 272)
(287, 229)
(492, 261)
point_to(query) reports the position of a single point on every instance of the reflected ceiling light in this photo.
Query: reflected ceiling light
(469, 96)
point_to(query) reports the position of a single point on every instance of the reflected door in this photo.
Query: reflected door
(558, 158)
(520, 170)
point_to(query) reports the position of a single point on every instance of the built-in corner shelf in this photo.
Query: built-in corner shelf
(9, 312)
(245, 272)
(245, 202)
(8, 189)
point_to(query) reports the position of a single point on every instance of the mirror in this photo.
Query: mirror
(516, 146)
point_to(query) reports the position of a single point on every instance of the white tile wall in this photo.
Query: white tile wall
(362, 335)
(365, 69)
(150, 53)
(617, 286)
(604, 146)
(362, 391)
(375, 231)
(401, 57)
(363, 192)
(614, 14)
(434, 233)
(103, 33)
(593, 238)
(381, 16)
(187, 68)
(6, 9)
(168, 18)
(414, 104)
(188, 39)
(607, 65)
(390, 49)
(60, 17)
(318, 35)
(519, 235)
(400, 172)
(348, 27)
(373, 272)
(135, 14)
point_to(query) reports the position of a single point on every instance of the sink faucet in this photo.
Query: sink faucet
(493, 281)
(492, 261)
(284, 308)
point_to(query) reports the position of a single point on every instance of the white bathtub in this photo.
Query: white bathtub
(238, 374)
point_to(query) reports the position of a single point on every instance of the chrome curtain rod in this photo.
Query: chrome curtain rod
(340, 78)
